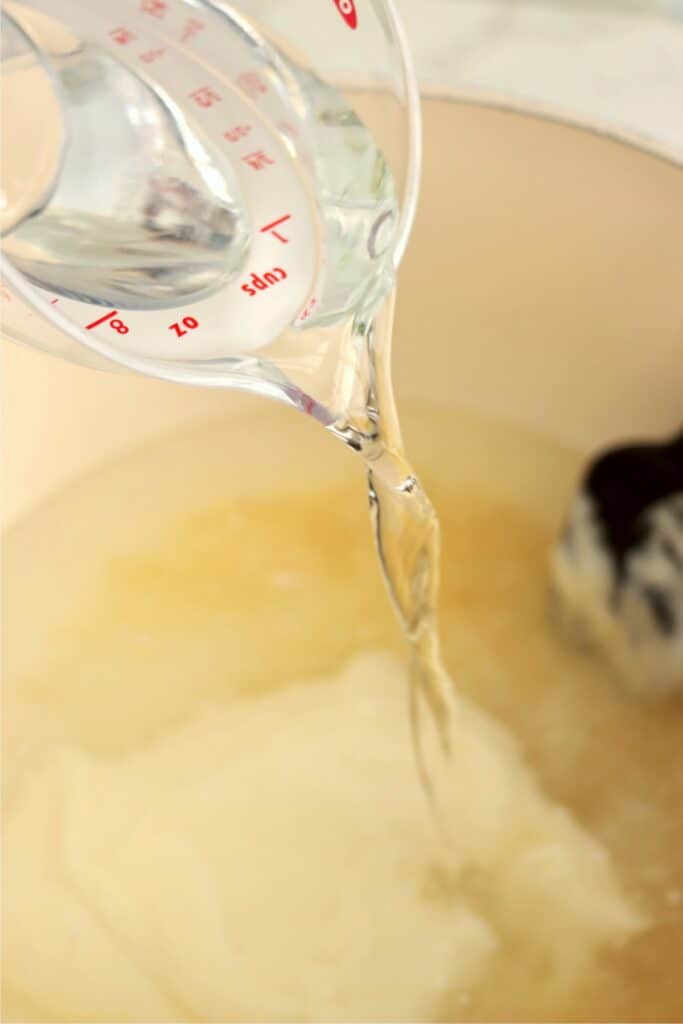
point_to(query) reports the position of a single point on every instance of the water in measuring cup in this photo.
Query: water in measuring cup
(164, 219)
(148, 211)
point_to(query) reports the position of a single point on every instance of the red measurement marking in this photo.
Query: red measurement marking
(191, 28)
(187, 321)
(96, 323)
(308, 406)
(308, 308)
(288, 128)
(122, 36)
(157, 8)
(117, 325)
(257, 160)
(347, 9)
(276, 223)
(252, 83)
(205, 96)
(261, 282)
(53, 301)
(151, 55)
(237, 132)
(5, 293)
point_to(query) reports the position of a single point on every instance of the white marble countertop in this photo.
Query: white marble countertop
(618, 65)
(614, 64)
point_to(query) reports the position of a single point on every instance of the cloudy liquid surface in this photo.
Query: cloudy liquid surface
(201, 825)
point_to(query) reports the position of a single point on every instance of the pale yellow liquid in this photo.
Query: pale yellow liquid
(212, 808)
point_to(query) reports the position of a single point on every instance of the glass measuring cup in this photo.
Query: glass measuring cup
(203, 205)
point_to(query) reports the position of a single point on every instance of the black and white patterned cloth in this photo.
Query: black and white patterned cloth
(618, 567)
